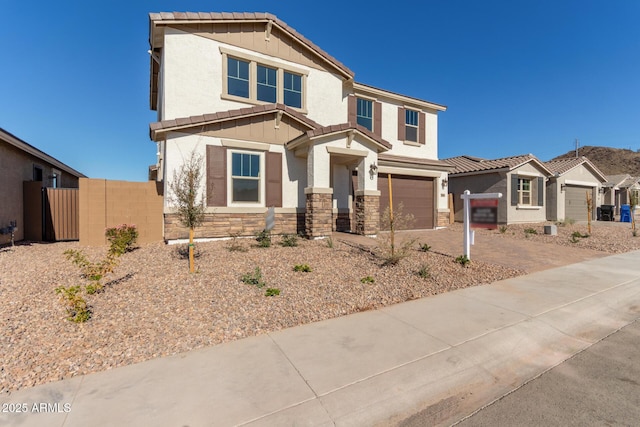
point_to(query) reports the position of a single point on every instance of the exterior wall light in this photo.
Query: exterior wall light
(373, 170)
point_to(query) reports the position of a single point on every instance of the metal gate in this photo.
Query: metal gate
(50, 214)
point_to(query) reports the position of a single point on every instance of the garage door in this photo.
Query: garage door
(575, 202)
(416, 195)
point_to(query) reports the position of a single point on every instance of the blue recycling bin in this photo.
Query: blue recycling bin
(625, 213)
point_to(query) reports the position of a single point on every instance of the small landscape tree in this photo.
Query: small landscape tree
(185, 197)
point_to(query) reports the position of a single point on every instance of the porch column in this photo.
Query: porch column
(319, 194)
(367, 198)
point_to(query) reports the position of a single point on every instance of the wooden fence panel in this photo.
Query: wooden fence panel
(61, 214)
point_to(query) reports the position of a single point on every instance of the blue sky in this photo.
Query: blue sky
(517, 76)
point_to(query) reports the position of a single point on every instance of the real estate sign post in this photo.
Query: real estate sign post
(479, 211)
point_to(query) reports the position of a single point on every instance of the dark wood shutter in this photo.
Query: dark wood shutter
(422, 128)
(377, 118)
(353, 110)
(273, 173)
(402, 121)
(540, 191)
(514, 190)
(216, 176)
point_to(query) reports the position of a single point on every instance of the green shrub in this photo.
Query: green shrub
(254, 278)
(503, 229)
(121, 238)
(271, 292)
(329, 242)
(530, 231)
(289, 240)
(367, 279)
(264, 239)
(463, 260)
(302, 268)
(424, 247)
(424, 271)
(76, 306)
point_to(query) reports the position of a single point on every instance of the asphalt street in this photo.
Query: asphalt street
(598, 387)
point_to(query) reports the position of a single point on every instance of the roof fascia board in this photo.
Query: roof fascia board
(344, 72)
(480, 172)
(419, 166)
(359, 87)
(30, 149)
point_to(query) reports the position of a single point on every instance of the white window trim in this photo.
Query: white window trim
(253, 78)
(261, 178)
(58, 180)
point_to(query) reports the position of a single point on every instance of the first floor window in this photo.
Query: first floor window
(245, 177)
(411, 125)
(524, 191)
(238, 77)
(364, 113)
(292, 90)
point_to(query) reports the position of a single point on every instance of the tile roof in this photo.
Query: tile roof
(466, 164)
(187, 122)
(327, 130)
(11, 139)
(617, 180)
(562, 166)
(168, 17)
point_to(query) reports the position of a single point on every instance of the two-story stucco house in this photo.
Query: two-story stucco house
(283, 124)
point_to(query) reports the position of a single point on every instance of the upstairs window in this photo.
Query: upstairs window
(245, 176)
(292, 90)
(411, 125)
(364, 113)
(257, 80)
(267, 84)
(238, 77)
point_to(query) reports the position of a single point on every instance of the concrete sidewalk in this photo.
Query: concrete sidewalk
(447, 355)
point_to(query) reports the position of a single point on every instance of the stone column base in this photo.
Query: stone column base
(319, 214)
(367, 214)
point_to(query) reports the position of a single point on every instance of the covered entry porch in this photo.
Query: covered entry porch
(341, 192)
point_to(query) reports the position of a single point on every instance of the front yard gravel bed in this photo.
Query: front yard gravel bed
(152, 306)
(609, 237)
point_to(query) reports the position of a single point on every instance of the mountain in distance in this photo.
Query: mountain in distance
(610, 161)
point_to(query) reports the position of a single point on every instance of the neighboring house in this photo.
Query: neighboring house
(19, 162)
(572, 179)
(618, 190)
(281, 123)
(520, 179)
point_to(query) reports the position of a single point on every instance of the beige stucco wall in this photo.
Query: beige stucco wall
(525, 214)
(492, 182)
(580, 176)
(16, 166)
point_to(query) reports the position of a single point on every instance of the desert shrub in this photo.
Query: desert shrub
(367, 279)
(502, 229)
(528, 231)
(121, 238)
(263, 238)
(329, 242)
(234, 244)
(77, 308)
(390, 252)
(463, 260)
(424, 271)
(425, 247)
(254, 278)
(271, 292)
(289, 240)
(302, 268)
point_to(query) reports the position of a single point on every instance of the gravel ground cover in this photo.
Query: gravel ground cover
(609, 237)
(151, 306)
